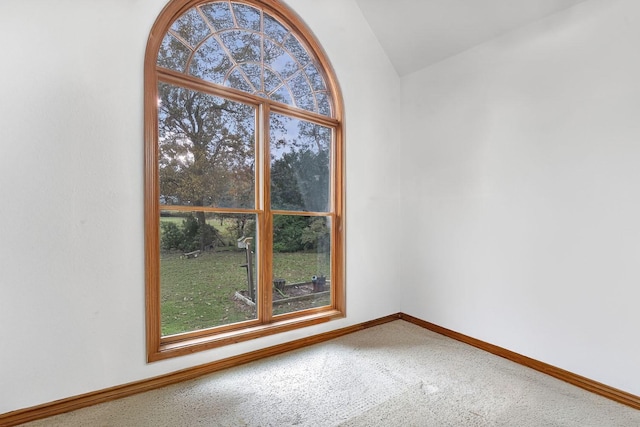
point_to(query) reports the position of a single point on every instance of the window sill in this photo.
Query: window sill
(193, 345)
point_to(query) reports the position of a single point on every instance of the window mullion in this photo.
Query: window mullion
(266, 224)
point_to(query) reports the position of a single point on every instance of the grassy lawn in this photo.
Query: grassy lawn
(299, 267)
(197, 293)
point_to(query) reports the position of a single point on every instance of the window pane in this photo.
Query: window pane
(301, 263)
(173, 54)
(206, 149)
(239, 46)
(324, 106)
(279, 60)
(237, 80)
(271, 81)
(299, 53)
(316, 79)
(300, 159)
(191, 27)
(282, 95)
(243, 45)
(219, 14)
(302, 92)
(247, 17)
(254, 74)
(274, 29)
(204, 280)
(210, 62)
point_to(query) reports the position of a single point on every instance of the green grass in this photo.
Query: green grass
(175, 219)
(299, 266)
(197, 293)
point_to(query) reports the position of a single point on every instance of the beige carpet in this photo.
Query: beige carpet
(396, 374)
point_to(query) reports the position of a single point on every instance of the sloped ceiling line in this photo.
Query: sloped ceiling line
(419, 33)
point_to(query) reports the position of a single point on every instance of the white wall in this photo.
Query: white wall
(520, 191)
(71, 216)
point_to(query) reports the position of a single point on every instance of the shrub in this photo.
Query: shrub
(316, 235)
(171, 236)
(190, 236)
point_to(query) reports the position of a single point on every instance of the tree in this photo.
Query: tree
(189, 236)
(285, 192)
(206, 151)
(316, 235)
(300, 165)
(300, 177)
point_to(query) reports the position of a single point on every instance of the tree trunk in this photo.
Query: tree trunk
(202, 222)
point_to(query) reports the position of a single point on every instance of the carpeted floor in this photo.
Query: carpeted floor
(396, 374)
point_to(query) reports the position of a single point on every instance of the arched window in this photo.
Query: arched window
(243, 176)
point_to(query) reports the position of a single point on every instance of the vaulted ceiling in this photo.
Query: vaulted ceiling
(418, 33)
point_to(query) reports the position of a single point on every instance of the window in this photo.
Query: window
(243, 177)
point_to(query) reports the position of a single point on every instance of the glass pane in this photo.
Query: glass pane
(206, 149)
(247, 17)
(271, 81)
(301, 263)
(299, 53)
(173, 54)
(254, 74)
(273, 29)
(210, 62)
(218, 14)
(243, 45)
(315, 77)
(207, 275)
(282, 95)
(300, 159)
(237, 80)
(302, 92)
(279, 60)
(324, 106)
(191, 27)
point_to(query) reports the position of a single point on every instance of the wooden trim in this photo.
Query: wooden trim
(168, 340)
(569, 377)
(183, 208)
(202, 342)
(338, 230)
(301, 213)
(151, 200)
(158, 347)
(265, 280)
(186, 81)
(101, 396)
(297, 113)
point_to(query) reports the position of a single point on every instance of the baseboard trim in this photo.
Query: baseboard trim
(84, 400)
(89, 399)
(569, 377)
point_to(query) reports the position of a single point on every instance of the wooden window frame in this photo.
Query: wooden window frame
(158, 347)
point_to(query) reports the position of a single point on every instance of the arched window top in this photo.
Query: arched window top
(244, 47)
